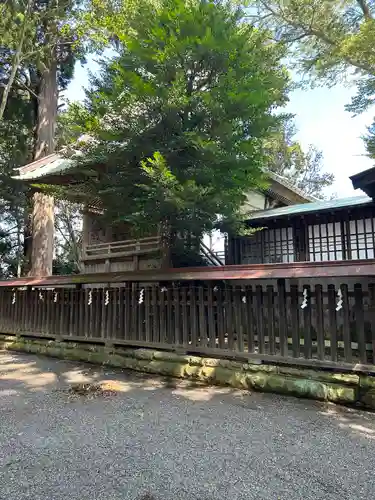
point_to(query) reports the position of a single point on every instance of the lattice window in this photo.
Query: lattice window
(325, 242)
(361, 239)
(349, 240)
(268, 246)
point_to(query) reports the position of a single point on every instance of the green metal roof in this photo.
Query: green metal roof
(305, 208)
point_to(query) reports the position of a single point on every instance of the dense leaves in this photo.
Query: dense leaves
(36, 35)
(176, 120)
(328, 41)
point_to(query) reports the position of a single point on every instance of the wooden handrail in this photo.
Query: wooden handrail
(118, 254)
(117, 249)
(147, 240)
(328, 269)
(211, 256)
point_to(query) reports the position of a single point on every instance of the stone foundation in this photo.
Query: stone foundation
(338, 387)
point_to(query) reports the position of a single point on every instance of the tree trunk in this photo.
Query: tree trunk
(43, 206)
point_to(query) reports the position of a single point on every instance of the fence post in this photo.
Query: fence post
(319, 321)
(283, 327)
(294, 314)
(307, 340)
(332, 321)
(346, 324)
(360, 322)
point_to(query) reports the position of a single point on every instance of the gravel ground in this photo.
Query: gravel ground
(172, 440)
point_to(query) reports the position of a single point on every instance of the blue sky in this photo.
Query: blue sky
(321, 120)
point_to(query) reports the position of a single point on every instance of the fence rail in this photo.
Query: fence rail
(286, 321)
(298, 270)
(122, 248)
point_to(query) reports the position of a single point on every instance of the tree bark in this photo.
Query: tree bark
(43, 205)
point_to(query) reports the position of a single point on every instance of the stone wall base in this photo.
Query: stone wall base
(338, 387)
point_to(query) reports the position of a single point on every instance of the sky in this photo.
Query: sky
(320, 119)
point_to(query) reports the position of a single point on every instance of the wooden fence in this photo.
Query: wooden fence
(284, 320)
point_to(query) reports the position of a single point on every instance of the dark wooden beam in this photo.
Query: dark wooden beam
(326, 269)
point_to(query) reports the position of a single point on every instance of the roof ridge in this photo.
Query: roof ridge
(285, 182)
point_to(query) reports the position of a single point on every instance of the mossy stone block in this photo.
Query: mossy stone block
(55, 351)
(325, 376)
(172, 357)
(257, 381)
(162, 367)
(126, 352)
(99, 358)
(211, 362)
(207, 373)
(77, 355)
(191, 371)
(195, 360)
(341, 394)
(253, 367)
(177, 369)
(366, 381)
(129, 363)
(276, 383)
(146, 354)
(15, 346)
(117, 360)
(305, 388)
(368, 398)
(231, 364)
(239, 380)
(223, 376)
(141, 365)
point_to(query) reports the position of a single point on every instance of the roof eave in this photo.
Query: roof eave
(292, 194)
(365, 181)
(264, 216)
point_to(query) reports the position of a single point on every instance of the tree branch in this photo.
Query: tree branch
(320, 35)
(16, 60)
(365, 9)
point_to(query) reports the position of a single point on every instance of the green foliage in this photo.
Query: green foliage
(68, 241)
(326, 38)
(52, 32)
(286, 157)
(178, 117)
(328, 41)
(15, 145)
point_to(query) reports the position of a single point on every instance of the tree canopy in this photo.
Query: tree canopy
(178, 117)
(39, 44)
(327, 41)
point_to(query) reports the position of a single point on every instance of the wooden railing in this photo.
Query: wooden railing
(124, 248)
(289, 320)
(211, 256)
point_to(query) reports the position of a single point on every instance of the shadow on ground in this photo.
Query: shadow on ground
(167, 439)
(22, 373)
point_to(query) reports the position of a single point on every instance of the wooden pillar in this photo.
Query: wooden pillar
(86, 230)
(301, 240)
(43, 223)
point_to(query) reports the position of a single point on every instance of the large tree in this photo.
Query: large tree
(40, 41)
(177, 119)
